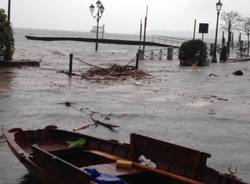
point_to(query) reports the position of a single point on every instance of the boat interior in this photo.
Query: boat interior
(49, 149)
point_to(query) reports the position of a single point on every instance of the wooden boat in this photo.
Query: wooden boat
(46, 153)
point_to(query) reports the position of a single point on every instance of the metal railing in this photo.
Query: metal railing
(174, 41)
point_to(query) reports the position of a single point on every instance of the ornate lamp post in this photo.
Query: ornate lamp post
(218, 8)
(9, 5)
(100, 10)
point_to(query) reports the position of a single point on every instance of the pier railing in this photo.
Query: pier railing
(174, 41)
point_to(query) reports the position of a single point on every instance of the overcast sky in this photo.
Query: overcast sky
(120, 16)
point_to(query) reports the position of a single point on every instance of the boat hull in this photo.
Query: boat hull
(45, 153)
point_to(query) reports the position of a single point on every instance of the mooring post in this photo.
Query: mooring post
(2, 130)
(70, 63)
(170, 53)
(145, 29)
(140, 35)
(137, 61)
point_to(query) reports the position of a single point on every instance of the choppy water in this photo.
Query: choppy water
(181, 105)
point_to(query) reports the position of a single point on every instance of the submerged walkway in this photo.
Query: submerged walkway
(107, 41)
(18, 63)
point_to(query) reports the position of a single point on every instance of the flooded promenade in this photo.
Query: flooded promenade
(185, 106)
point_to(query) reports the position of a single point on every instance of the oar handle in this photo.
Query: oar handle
(166, 173)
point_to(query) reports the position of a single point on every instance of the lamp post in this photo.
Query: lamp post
(248, 42)
(218, 8)
(9, 6)
(100, 10)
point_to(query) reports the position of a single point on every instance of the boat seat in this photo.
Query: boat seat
(170, 157)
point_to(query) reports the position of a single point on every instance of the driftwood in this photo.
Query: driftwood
(68, 104)
(96, 122)
(107, 125)
(84, 127)
(212, 75)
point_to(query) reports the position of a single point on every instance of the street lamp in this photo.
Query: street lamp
(218, 8)
(100, 10)
(9, 6)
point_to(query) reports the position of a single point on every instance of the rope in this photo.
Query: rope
(84, 62)
(130, 61)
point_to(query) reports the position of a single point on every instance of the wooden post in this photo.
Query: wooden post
(2, 130)
(137, 61)
(103, 30)
(70, 63)
(170, 53)
(140, 34)
(145, 29)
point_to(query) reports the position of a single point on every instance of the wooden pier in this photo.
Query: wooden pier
(106, 41)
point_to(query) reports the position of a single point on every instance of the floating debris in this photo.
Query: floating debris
(114, 72)
(213, 97)
(106, 125)
(68, 104)
(212, 75)
(238, 73)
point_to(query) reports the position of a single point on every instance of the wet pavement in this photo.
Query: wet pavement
(184, 106)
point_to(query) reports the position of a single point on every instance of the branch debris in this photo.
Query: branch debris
(107, 125)
(114, 72)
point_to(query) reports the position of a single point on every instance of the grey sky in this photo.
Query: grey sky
(120, 16)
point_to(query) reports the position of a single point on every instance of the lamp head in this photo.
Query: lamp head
(219, 6)
(98, 4)
(91, 8)
(101, 8)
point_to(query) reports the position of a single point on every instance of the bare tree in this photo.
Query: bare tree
(245, 29)
(231, 21)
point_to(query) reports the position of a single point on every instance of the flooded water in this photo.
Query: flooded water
(180, 105)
